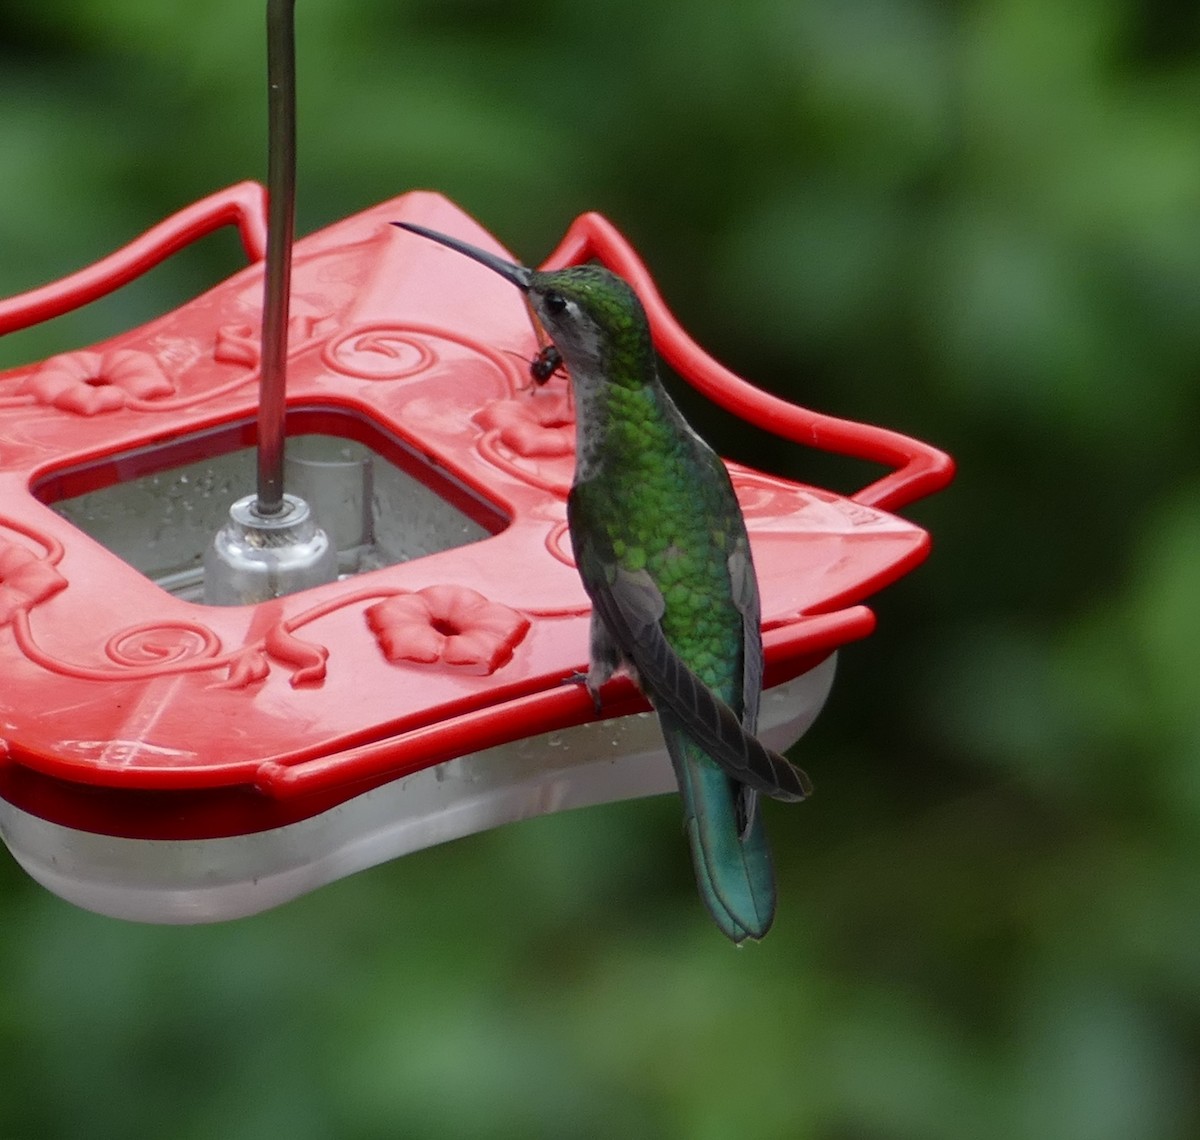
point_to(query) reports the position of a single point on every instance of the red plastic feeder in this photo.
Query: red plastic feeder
(166, 760)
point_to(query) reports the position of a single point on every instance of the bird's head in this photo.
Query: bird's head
(593, 316)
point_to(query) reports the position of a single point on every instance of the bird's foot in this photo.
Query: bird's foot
(585, 679)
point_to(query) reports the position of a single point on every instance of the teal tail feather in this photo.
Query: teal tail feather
(730, 853)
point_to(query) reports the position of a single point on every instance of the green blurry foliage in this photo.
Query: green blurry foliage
(976, 222)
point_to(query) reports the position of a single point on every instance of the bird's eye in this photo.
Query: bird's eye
(554, 302)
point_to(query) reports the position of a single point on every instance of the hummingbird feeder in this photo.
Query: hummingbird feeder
(213, 702)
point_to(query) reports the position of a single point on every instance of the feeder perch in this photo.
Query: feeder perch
(168, 760)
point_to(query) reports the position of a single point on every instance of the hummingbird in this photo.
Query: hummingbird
(662, 550)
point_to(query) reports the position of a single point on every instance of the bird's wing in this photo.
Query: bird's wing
(744, 586)
(631, 607)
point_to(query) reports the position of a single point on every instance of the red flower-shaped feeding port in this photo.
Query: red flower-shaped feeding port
(447, 625)
(536, 426)
(25, 580)
(88, 383)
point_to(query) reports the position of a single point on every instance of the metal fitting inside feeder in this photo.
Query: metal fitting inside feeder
(255, 557)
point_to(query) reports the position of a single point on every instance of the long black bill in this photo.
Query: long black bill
(517, 274)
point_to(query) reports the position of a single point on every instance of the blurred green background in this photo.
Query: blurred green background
(977, 222)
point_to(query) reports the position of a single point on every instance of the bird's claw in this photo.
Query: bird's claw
(583, 678)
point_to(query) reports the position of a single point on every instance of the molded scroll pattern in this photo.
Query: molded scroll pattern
(449, 625)
(764, 498)
(528, 432)
(88, 383)
(379, 352)
(241, 343)
(26, 579)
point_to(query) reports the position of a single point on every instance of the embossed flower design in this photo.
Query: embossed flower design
(88, 383)
(25, 580)
(538, 426)
(447, 625)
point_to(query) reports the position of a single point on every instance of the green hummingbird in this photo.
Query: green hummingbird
(662, 550)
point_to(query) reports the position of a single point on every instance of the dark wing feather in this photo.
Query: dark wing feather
(631, 606)
(743, 584)
(744, 587)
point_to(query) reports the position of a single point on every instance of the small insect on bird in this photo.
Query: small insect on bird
(543, 365)
(547, 362)
(662, 550)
